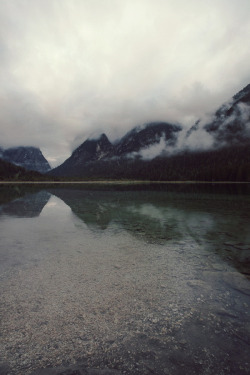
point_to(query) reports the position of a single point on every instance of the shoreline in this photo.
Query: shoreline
(121, 182)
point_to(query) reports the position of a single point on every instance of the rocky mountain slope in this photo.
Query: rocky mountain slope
(231, 122)
(30, 158)
(160, 150)
(163, 151)
(147, 136)
(150, 138)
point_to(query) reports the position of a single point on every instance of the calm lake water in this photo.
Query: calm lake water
(138, 279)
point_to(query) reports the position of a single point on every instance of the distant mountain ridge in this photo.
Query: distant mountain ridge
(157, 151)
(30, 158)
(152, 151)
(99, 150)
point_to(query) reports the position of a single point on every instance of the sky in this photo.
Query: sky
(72, 69)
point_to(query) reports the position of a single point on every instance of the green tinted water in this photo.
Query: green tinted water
(140, 280)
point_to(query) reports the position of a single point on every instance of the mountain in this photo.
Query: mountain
(243, 96)
(154, 152)
(92, 154)
(231, 122)
(147, 136)
(92, 150)
(12, 172)
(30, 158)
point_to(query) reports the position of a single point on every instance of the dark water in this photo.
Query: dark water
(139, 279)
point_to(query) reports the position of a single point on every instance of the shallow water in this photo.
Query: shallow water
(140, 280)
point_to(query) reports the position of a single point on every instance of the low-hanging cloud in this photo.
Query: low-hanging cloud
(150, 152)
(69, 69)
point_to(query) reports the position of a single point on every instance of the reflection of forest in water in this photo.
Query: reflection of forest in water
(218, 222)
(215, 220)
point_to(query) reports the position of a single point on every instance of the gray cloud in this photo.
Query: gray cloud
(70, 69)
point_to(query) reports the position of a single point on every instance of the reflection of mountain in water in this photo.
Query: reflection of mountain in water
(219, 223)
(30, 205)
(122, 209)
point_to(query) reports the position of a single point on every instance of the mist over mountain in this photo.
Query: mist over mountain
(144, 139)
(228, 126)
(231, 123)
(30, 158)
(214, 148)
(147, 137)
(218, 149)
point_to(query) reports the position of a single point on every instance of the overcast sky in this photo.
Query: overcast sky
(74, 68)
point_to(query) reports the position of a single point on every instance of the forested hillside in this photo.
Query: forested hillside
(226, 164)
(11, 172)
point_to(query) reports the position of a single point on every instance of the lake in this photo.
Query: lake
(131, 279)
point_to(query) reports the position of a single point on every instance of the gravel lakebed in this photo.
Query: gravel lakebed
(110, 303)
